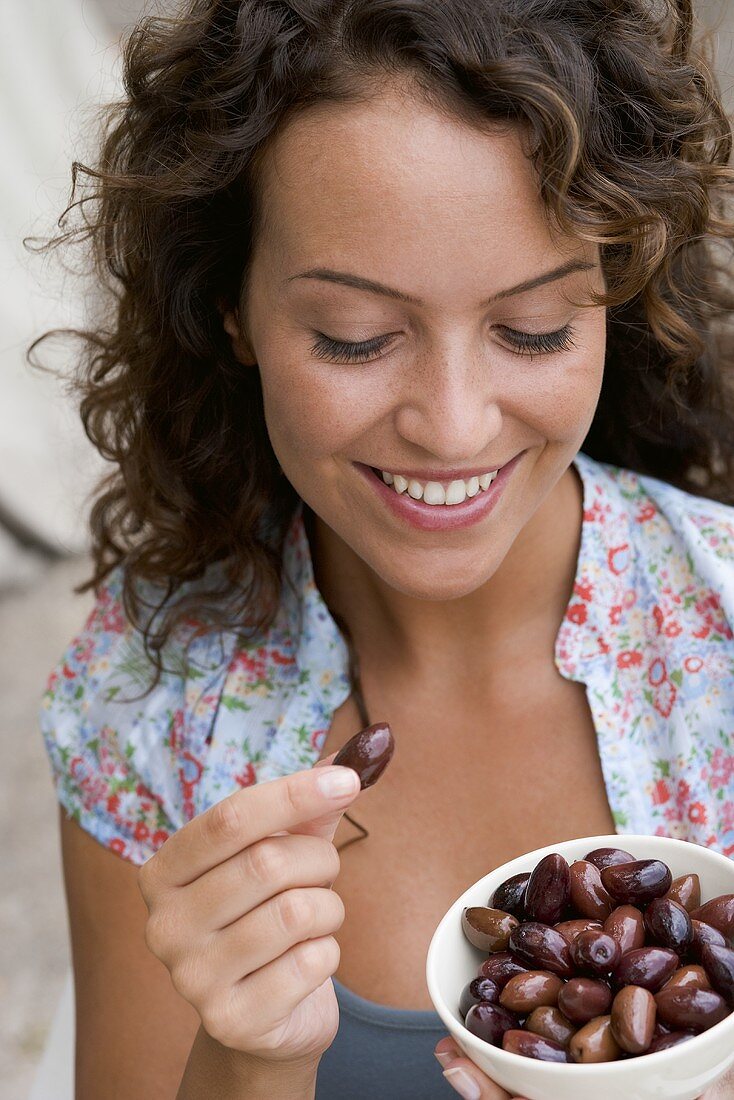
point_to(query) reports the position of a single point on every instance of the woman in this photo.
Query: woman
(381, 271)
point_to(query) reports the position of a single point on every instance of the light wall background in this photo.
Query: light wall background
(58, 60)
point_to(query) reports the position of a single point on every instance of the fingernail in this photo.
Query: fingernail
(465, 1085)
(338, 782)
(443, 1056)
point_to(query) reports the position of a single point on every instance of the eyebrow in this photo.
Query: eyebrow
(360, 283)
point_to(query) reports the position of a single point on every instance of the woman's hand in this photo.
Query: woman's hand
(472, 1084)
(242, 914)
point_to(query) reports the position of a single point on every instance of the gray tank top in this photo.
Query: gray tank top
(382, 1052)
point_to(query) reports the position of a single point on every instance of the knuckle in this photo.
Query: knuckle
(314, 960)
(156, 934)
(268, 862)
(295, 912)
(146, 879)
(339, 910)
(217, 1021)
(225, 822)
(186, 978)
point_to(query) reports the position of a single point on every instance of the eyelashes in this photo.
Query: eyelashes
(524, 343)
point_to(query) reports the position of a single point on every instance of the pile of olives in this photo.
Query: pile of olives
(605, 958)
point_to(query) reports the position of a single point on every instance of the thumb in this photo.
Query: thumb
(327, 825)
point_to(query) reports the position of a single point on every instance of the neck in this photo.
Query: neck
(516, 612)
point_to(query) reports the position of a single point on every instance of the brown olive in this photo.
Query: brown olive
(719, 964)
(608, 857)
(588, 895)
(582, 999)
(571, 928)
(688, 1007)
(626, 925)
(534, 1046)
(368, 753)
(688, 975)
(669, 924)
(649, 967)
(633, 1018)
(548, 890)
(686, 890)
(542, 947)
(489, 1022)
(594, 1042)
(527, 991)
(550, 1022)
(595, 952)
(510, 895)
(480, 989)
(719, 912)
(638, 882)
(501, 967)
(487, 929)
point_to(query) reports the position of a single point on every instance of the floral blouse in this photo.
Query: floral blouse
(648, 630)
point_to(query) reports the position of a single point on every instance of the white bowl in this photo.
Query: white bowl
(680, 1073)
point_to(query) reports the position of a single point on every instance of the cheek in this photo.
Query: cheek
(557, 401)
(316, 409)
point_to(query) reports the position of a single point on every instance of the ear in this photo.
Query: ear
(240, 344)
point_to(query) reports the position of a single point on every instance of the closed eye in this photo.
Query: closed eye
(524, 343)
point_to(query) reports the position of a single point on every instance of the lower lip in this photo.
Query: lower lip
(441, 517)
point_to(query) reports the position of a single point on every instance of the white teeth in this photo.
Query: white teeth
(435, 493)
(457, 492)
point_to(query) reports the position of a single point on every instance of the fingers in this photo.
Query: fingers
(464, 1077)
(245, 817)
(260, 872)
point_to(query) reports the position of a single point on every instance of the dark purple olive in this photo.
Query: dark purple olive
(668, 924)
(548, 890)
(583, 999)
(688, 1007)
(719, 912)
(368, 753)
(530, 1045)
(638, 882)
(510, 895)
(649, 967)
(501, 967)
(595, 952)
(719, 965)
(490, 1022)
(588, 895)
(542, 947)
(608, 857)
(702, 934)
(671, 1039)
(479, 989)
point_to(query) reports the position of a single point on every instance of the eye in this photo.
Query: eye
(342, 351)
(540, 343)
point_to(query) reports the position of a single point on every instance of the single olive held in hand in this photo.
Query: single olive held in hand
(368, 753)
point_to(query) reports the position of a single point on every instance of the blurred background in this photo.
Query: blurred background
(59, 60)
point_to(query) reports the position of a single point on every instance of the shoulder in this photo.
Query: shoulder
(679, 545)
(127, 758)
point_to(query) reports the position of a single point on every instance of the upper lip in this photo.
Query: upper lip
(443, 475)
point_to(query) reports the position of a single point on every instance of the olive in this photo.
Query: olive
(719, 964)
(668, 924)
(638, 882)
(368, 753)
(688, 1007)
(588, 896)
(595, 952)
(548, 890)
(479, 989)
(686, 890)
(510, 895)
(633, 1018)
(487, 929)
(608, 857)
(582, 999)
(534, 1046)
(489, 1022)
(649, 967)
(501, 967)
(542, 947)
(594, 1042)
(550, 1022)
(626, 925)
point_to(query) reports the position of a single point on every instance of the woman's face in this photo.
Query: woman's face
(449, 221)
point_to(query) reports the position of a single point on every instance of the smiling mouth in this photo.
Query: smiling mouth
(437, 493)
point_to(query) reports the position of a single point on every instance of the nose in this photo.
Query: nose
(450, 408)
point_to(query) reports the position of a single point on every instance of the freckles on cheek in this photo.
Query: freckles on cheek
(317, 416)
(561, 403)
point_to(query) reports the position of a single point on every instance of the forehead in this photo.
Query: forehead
(393, 176)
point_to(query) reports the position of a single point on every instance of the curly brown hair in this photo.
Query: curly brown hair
(632, 147)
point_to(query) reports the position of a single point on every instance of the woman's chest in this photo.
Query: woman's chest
(476, 780)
